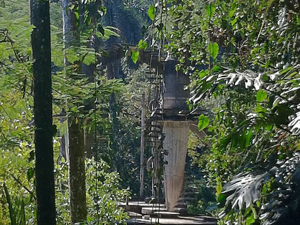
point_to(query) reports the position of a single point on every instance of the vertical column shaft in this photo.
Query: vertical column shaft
(175, 142)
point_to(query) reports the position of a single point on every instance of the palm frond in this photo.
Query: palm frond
(284, 202)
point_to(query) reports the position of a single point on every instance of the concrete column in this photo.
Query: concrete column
(175, 142)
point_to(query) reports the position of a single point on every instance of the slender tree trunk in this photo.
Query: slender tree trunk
(44, 163)
(77, 173)
(142, 164)
(88, 71)
(76, 136)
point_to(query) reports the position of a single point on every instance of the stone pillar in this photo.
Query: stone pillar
(175, 142)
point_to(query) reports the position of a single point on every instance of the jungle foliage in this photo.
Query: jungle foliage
(243, 60)
(17, 172)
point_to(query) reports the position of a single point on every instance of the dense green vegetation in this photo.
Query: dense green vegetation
(18, 194)
(242, 58)
(243, 62)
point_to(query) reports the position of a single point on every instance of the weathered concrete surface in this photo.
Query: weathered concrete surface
(157, 213)
(175, 142)
(169, 221)
(134, 215)
(152, 210)
(175, 93)
(136, 206)
(166, 214)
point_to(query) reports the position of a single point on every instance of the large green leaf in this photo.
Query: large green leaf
(213, 49)
(250, 219)
(261, 95)
(89, 58)
(247, 188)
(244, 189)
(151, 12)
(210, 9)
(203, 122)
(248, 77)
(135, 56)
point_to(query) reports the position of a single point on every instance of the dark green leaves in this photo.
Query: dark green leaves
(30, 173)
(260, 75)
(100, 29)
(221, 198)
(151, 12)
(203, 122)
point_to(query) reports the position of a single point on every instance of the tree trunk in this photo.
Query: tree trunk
(76, 137)
(89, 138)
(44, 163)
(77, 173)
(88, 71)
(142, 164)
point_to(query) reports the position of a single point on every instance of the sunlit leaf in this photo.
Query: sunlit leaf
(245, 189)
(203, 122)
(213, 49)
(232, 12)
(107, 32)
(295, 124)
(248, 77)
(135, 56)
(72, 55)
(248, 138)
(142, 45)
(151, 12)
(219, 186)
(210, 9)
(261, 95)
(89, 58)
(250, 219)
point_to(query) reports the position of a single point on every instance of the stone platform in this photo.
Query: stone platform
(147, 213)
(137, 206)
(179, 220)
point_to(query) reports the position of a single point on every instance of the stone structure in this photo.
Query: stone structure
(176, 130)
(175, 142)
(172, 113)
(176, 93)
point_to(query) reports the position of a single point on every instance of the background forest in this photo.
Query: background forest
(243, 62)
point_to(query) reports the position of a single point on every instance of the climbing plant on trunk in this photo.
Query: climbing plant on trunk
(76, 138)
